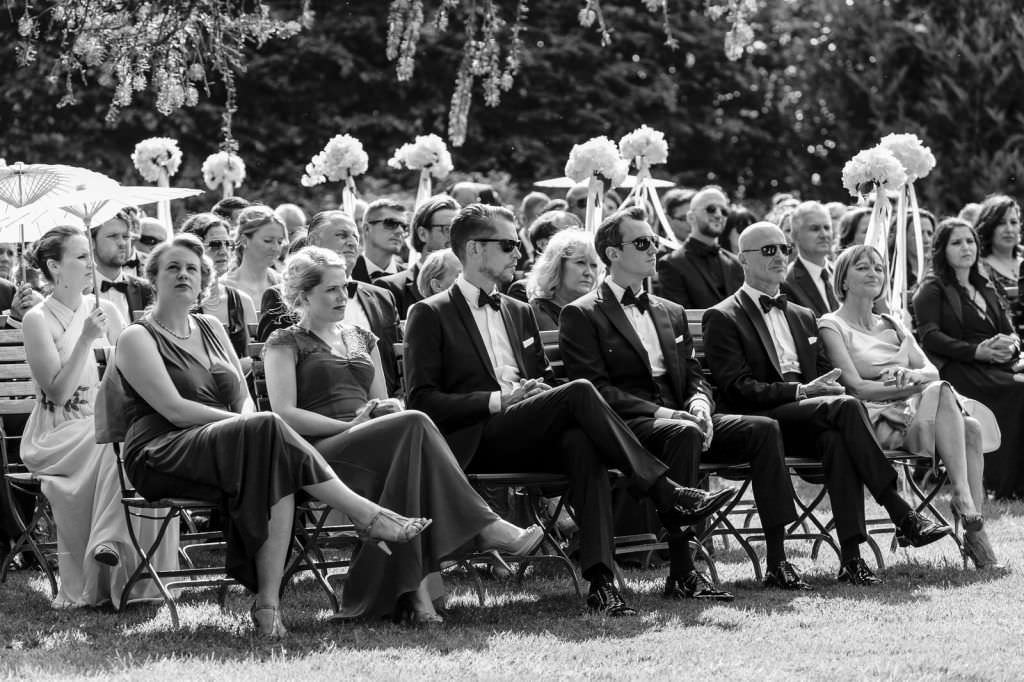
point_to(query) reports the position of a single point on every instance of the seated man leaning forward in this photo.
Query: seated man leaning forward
(476, 366)
(637, 351)
(765, 358)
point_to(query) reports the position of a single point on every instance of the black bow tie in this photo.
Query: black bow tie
(120, 286)
(642, 303)
(767, 303)
(352, 287)
(488, 299)
(132, 264)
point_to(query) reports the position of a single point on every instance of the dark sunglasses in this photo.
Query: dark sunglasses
(149, 240)
(218, 245)
(390, 224)
(580, 203)
(507, 245)
(768, 250)
(717, 210)
(640, 243)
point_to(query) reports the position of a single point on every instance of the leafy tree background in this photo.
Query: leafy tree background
(824, 79)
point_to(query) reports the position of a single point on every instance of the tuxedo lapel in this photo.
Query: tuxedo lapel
(462, 308)
(369, 304)
(757, 321)
(806, 283)
(514, 337)
(617, 316)
(804, 352)
(667, 339)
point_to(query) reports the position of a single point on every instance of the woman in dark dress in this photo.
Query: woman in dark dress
(963, 323)
(567, 269)
(324, 379)
(186, 436)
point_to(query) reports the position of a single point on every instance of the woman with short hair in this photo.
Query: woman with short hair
(567, 269)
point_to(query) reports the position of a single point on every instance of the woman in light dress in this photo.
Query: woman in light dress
(261, 236)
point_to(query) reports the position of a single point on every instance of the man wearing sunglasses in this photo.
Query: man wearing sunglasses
(699, 274)
(637, 350)
(476, 366)
(809, 279)
(385, 225)
(151, 233)
(764, 354)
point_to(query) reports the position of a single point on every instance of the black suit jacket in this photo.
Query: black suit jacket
(448, 372)
(741, 354)
(361, 273)
(379, 306)
(139, 294)
(799, 287)
(684, 279)
(7, 291)
(599, 344)
(938, 308)
(402, 286)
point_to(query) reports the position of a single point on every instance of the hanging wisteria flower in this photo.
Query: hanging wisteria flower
(644, 144)
(917, 159)
(156, 154)
(597, 156)
(223, 167)
(343, 157)
(874, 168)
(428, 151)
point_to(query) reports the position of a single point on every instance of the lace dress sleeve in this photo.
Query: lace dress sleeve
(360, 341)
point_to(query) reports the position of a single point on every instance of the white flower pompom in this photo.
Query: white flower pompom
(917, 159)
(221, 167)
(428, 151)
(597, 156)
(644, 143)
(155, 154)
(874, 168)
(342, 157)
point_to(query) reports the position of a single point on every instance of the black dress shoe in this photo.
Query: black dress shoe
(694, 586)
(605, 599)
(856, 572)
(917, 530)
(692, 505)
(785, 577)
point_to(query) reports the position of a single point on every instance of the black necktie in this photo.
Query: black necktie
(767, 303)
(120, 286)
(488, 299)
(830, 297)
(352, 287)
(641, 302)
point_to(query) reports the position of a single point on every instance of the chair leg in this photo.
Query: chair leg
(25, 539)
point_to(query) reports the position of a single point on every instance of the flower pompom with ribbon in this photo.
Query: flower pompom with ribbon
(342, 158)
(428, 152)
(644, 145)
(223, 170)
(156, 155)
(917, 159)
(874, 168)
(599, 157)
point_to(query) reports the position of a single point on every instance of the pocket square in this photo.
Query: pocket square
(680, 338)
(812, 340)
(528, 342)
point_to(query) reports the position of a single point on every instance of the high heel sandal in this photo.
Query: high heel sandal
(974, 545)
(388, 526)
(521, 547)
(267, 621)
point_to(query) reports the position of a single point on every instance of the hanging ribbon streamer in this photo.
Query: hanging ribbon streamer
(898, 271)
(348, 196)
(163, 207)
(644, 194)
(595, 204)
(424, 190)
(228, 189)
(915, 216)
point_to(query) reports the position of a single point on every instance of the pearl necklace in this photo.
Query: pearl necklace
(171, 331)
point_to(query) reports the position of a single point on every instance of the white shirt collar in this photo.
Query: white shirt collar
(815, 270)
(471, 291)
(756, 294)
(103, 278)
(617, 290)
(372, 267)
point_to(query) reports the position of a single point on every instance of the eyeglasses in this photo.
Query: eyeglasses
(218, 245)
(390, 224)
(768, 250)
(149, 240)
(640, 243)
(507, 245)
(445, 228)
(717, 210)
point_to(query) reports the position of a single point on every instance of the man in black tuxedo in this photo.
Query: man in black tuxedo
(476, 366)
(371, 307)
(112, 243)
(699, 274)
(764, 354)
(809, 280)
(637, 350)
(385, 224)
(431, 227)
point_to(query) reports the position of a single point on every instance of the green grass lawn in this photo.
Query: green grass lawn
(930, 619)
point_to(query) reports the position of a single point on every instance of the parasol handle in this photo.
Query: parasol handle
(92, 256)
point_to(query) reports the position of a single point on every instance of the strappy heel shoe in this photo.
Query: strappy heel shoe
(267, 621)
(979, 551)
(387, 526)
(520, 547)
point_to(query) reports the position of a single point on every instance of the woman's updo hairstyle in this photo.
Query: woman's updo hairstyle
(200, 223)
(304, 270)
(250, 220)
(188, 241)
(51, 247)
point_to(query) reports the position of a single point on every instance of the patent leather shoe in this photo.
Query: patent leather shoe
(856, 572)
(604, 599)
(692, 505)
(694, 585)
(784, 576)
(916, 530)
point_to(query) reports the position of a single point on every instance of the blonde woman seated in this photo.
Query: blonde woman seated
(78, 477)
(324, 379)
(437, 272)
(192, 431)
(909, 405)
(567, 269)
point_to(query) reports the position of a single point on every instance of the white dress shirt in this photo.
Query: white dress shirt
(496, 341)
(116, 298)
(815, 272)
(355, 315)
(373, 271)
(778, 329)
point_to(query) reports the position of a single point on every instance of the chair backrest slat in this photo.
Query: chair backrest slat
(17, 390)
